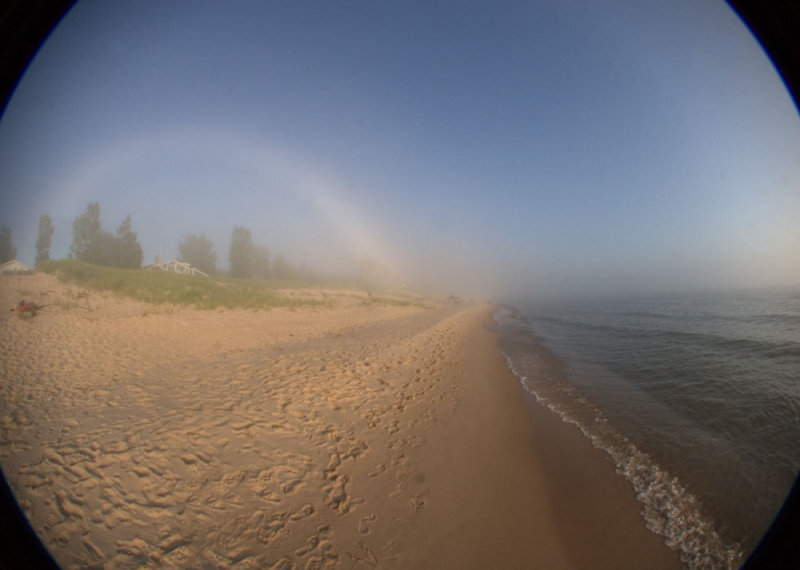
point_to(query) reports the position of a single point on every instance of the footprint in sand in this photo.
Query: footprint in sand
(364, 555)
(270, 527)
(305, 511)
(320, 553)
(365, 523)
(417, 503)
(337, 496)
(284, 563)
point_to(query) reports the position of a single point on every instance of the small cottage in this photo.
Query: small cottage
(14, 267)
(176, 266)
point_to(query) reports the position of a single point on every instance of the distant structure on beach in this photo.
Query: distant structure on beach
(176, 266)
(14, 267)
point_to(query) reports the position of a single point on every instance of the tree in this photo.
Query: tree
(199, 251)
(92, 244)
(128, 250)
(261, 265)
(45, 239)
(8, 250)
(282, 269)
(107, 249)
(87, 235)
(241, 252)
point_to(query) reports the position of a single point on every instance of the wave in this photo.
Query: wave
(669, 509)
(700, 397)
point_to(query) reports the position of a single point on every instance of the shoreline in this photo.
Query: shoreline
(552, 500)
(603, 500)
(380, 436)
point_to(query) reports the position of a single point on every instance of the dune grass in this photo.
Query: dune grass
(163, 287)
(394, 301)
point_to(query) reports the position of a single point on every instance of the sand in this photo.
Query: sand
(353, 436)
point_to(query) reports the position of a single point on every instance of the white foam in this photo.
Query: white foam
(668, 508)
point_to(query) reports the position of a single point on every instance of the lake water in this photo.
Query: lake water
(695, 396)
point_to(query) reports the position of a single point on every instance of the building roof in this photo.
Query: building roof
(14, 266)
(177, 266)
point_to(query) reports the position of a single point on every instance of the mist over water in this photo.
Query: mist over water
(693, 395)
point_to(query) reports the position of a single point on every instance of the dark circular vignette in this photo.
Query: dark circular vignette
(774, 24)
(25, 25)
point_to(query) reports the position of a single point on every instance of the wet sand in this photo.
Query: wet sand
(352, 436)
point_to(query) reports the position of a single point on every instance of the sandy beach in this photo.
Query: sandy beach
(357, 435)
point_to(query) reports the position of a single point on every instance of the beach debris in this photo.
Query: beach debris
(24, 308)
(83, 299)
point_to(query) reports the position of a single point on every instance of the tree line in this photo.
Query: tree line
(8, 250)
(246, 258)
(93, 244)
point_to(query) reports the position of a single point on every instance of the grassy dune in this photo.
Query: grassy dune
(160, 287)
(163, 287)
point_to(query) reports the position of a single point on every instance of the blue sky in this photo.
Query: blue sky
(497, 148)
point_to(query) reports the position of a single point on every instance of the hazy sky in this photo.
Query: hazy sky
(495, 147)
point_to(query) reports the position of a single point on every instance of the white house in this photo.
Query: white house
(176, 266)
(14, 267)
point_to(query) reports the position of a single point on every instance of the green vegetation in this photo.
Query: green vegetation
(8, 250)
(102, 261)
(392, 301)
(153, 286)
(198, 251)
(241, 253)
(45, 238)
(92, 244)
